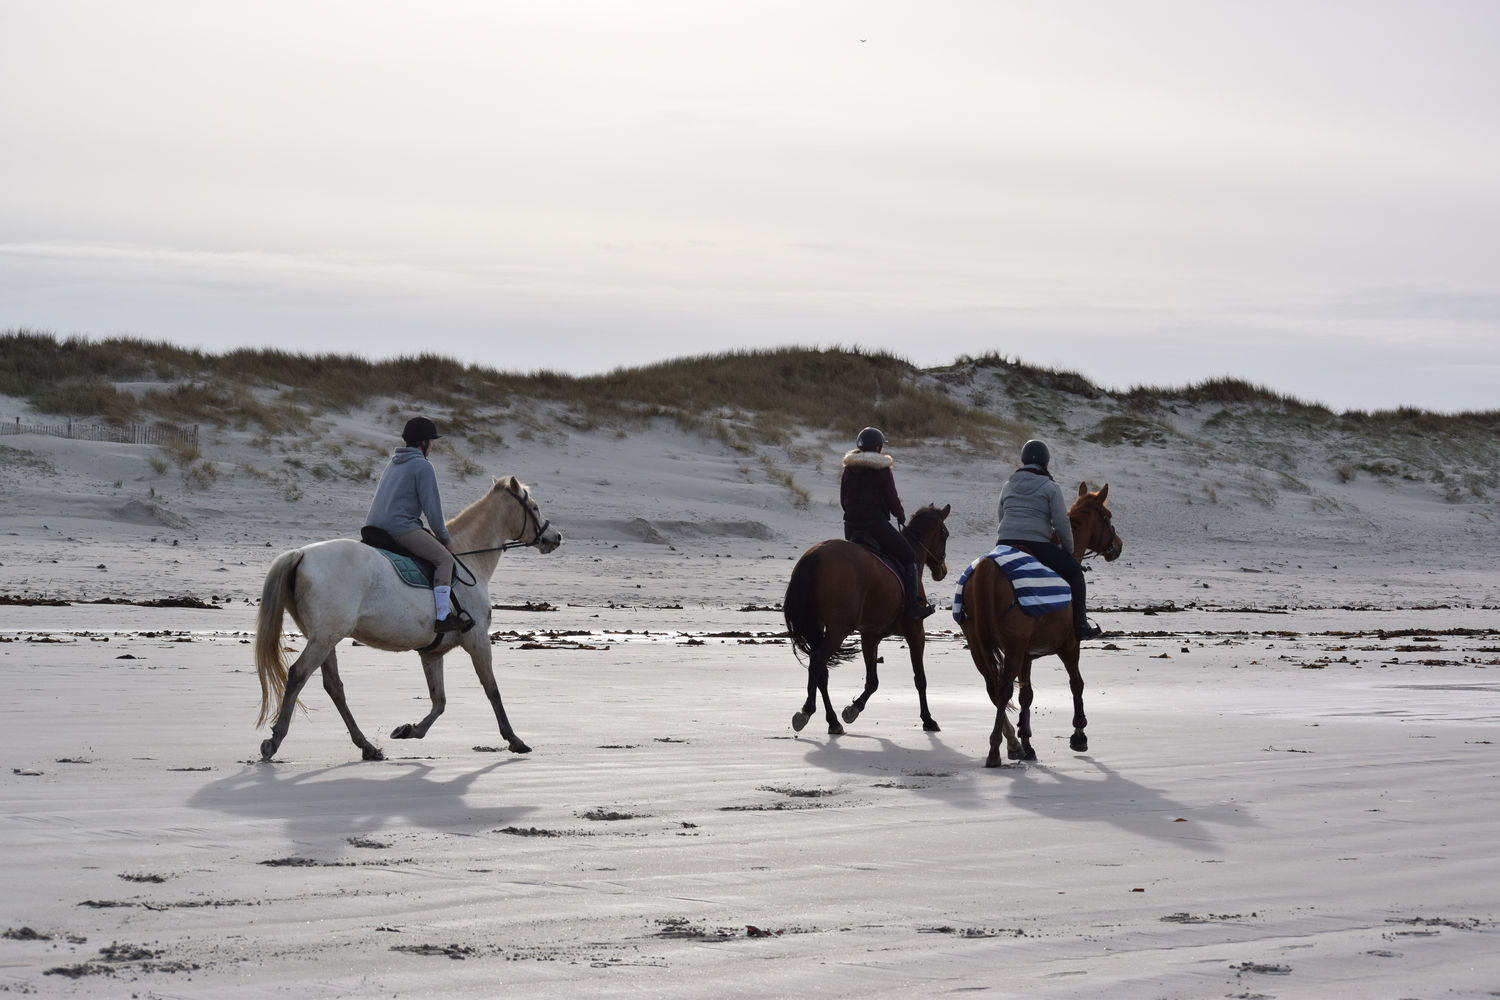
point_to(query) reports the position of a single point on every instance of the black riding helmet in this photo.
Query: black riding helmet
(1035, 453)
(419, 429)
(870, 439)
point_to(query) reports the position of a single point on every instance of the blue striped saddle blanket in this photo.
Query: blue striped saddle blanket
(1038, 589)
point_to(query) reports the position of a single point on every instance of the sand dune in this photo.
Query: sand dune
(1291, 788)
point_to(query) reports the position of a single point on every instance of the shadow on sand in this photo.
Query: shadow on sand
(1057, 791)
(936, 771)
(328, 806)
(1108, 797)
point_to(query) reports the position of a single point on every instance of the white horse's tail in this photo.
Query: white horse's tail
(270, 660)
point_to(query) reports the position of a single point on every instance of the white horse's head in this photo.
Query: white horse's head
(534, 530)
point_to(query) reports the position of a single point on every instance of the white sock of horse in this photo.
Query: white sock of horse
(440, 600)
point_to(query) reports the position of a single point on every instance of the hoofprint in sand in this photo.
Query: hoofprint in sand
(1290, 790)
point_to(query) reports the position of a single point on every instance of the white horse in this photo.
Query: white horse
(342, 588)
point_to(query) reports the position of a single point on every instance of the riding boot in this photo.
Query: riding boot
(454, 620)
(915, 606)
(1082, 627)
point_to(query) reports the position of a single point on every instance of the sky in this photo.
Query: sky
(1302, 194)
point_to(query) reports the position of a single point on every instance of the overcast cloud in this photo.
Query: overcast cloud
(1302, 194)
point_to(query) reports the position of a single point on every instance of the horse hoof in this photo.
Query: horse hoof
(404, 732)
(850, 714)
(834, 729)
(1028, 754)
(1079, 743)
(1014, 753)
(798, 721)
(267, 749)
(993, 760)
(931, 726)
(516, 746)
(374, 753)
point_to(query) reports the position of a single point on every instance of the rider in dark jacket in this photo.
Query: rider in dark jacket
(1032, 513)
(867, 491)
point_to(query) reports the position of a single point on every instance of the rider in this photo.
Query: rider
(867, 490)
(1032, 510)
(408, 490)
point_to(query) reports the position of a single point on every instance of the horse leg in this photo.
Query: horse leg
(334, 685)
(296, 677)
(1002, 728)
(1015, 653)
(1079, 741)
(479, 649)
(817, 684)
(1012, 745)
(432, 667)
(1023, 719)
(870, 646)
(916, 641)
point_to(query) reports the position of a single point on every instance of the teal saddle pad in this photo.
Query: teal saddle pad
(406, 567)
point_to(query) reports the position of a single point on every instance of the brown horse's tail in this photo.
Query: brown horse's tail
(982, 628)
(270, 661)
(800, 609)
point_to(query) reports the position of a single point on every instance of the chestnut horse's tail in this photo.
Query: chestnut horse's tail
(983, 605)
(270, 661)
(804, 625)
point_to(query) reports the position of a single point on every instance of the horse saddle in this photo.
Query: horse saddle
(867, 541)
(414, 572)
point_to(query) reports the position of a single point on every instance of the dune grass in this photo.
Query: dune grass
(748, 399)
(838, 390)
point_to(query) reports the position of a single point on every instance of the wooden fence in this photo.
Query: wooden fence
(162, 435)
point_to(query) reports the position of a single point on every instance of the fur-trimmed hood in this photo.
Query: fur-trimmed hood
(868, 459)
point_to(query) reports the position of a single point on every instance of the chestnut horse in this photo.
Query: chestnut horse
(839, 588)
(1003, 639)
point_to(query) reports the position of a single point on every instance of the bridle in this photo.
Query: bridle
(911, 532)
(1114, 547)
(532, 519)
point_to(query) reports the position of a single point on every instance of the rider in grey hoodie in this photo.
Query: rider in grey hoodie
(407, 492)
(1032, 511)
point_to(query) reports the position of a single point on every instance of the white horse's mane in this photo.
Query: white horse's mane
(506, 484)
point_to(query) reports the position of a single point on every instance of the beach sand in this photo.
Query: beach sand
(1291, 789)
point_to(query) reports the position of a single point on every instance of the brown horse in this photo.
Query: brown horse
(839, 588)
(1003, 639)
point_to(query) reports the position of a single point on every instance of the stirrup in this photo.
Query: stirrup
(460, 621)
(920, 612)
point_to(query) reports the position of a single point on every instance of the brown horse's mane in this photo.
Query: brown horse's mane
(925, 513)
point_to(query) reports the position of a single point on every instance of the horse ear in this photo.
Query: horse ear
(1104, 493)
(946, 508)
(1083, 488)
